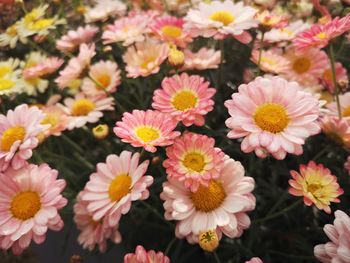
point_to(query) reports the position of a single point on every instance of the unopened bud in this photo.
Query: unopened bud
(76, 259)
(156, 160)
(100, 131)
(208, 240)
(176, 58)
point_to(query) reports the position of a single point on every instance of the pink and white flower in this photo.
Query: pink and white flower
(273, 116)
(286, 33)
(338, 248)
(344, 100)
(75, 38)
(341, 77)
(115, 185)
(30, 200)
(104, 77)
(201, 60)
(93, 233)
(45, 67)
(143, 256)
(145, 58)
(338, 130)
(271, 61)
(194, 160)
(222, 206)
(220, 19)
(170, 29)
(104, 9)
(18, 135)
(186, 98)
(146, 129)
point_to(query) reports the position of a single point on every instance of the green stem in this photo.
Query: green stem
(72, 143)
(334, 78)
(84, 161)
(260, 51)
(277, 214)
(171, 243)
(217, 259)
(155, 212)
(320, 153)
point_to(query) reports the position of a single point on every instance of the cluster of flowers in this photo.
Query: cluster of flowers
(206, 192)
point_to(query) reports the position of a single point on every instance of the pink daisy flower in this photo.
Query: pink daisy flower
(338, 130)
(186, 98)
(194, 160)
(115, 185)
(144, 58)
(84, 109)
(273, 115)
(286, 33)
(56, 118)
(268, 20)
(30, 200)
(203, 59)
(75, 38)
(319, 35)
(344, 100)
(93, 233)
(220, 19)
(46, 67)
(254, 260)
(72, 72)
(104, 77)
(146, 129)
(18, 135)
(171, 29)
(143, 256)
(341, 76)
(316, 184)
(104, 9)
(128, 30)
(271, 61)
(338, 248)
(305, 67)
(222, 206)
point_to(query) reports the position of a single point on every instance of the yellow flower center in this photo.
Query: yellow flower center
(12, 31)
(10, 136)
(103, 81)
(147, 134)
(287, 31)
(75, 84)
(312, 188)
(52, 119)
(172, 31)
(119, 187)
(40, 24)
(271, 117)
(224, 17)
(25, 205)
(6, 84)
(146, 62)
(184, 100)
(321, 35)
(301, 65)
(346, 112)
(194, 161)
(269, 61)
(82, 107)
(209, 198)
(5, 70)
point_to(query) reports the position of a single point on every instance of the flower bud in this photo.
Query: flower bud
(176, 58)
(100, 131)
(208, 240)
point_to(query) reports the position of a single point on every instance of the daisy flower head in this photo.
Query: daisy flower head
(11, 36)
(18, 135)
(104, 76)
(34, 22)
(115, 185)
(320, 34)
(33, 84)
(93, 233)
(221, 206)
(145, 58)
(128, 30)
(45, 67)
(194, 160)
(74, 38)
(337, 130)
(268, 20)
(286, 33)
(141, 255)
(338, 248)
(271, 61)
(104, 9)
(305, 67)
(10, 81)
(186, 98)
(220, 19)
(203, 59)
(344, 100)
(146, 129)
(341, 77)
(263, 113)
(70, 76)
(56, 117)
(31, 198)
(83, 109)
(316, 184)
(170, 29)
